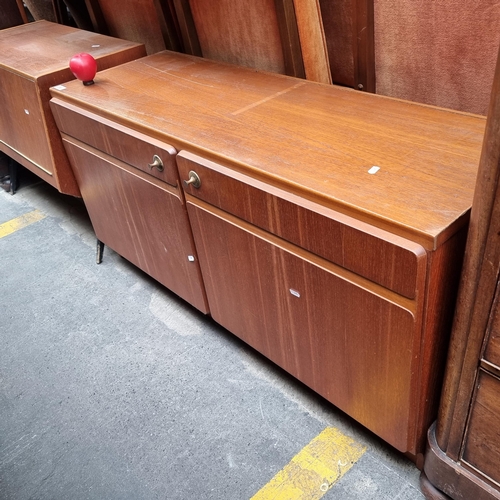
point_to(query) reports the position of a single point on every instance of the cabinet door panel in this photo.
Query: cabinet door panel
(141, 220)
(352, 346)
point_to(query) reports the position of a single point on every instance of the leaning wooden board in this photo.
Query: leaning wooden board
(328, 224)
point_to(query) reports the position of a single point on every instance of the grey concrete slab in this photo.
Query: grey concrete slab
(111, 387)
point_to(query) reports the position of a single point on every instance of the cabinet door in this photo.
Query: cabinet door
(333, 330)
(141, 218)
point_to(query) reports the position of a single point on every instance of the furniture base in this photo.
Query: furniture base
(450, 477)
(429, 490)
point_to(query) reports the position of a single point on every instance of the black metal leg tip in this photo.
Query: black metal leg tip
(99, 252)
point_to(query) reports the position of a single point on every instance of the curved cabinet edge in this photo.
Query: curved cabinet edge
(450, 478)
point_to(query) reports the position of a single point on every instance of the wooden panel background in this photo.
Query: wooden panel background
(245, 33)
(136, 21)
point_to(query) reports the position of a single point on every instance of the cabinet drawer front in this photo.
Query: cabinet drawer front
(308, 320)
(482, 442)
(391, 261)
(492, 350)
(141, 220)
(120, 142)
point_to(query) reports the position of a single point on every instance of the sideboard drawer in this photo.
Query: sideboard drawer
(482, 444)
(388, 260)
(127, 145)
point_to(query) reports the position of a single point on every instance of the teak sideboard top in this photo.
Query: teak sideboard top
(316, 140)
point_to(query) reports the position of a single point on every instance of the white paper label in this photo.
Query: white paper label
(373, 170)
(60, 87)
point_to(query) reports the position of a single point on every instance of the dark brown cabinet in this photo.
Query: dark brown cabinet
(463, 455)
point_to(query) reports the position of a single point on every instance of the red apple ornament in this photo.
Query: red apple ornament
(84, 67)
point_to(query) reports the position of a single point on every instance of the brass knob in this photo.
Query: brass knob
(157, 163)
(194, 179)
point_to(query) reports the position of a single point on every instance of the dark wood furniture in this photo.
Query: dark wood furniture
(34, 57)
(463, 457)
(12, 13)
(328, 224)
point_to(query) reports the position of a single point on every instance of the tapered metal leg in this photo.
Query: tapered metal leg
(99, 251)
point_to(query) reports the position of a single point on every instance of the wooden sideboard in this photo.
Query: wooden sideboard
(34, 57)
(322, 225)
(463, 456)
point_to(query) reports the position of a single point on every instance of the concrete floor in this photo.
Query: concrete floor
(113, 388)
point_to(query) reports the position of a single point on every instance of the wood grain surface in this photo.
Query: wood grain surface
(141, 218)
(306, 318)
(482, 443)
(34, 57)
(316, 140)
(43, 48)
(245, 33)
(379, 256)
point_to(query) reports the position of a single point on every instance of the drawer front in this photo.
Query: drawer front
(125, 144)
(391, 261)
(482, 442)
(349, 344)
(142, 219)
(492, 350)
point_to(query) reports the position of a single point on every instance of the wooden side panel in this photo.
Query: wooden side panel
(482, 445)
(444, 267)
(245, 33)
(22, 124)
(306, 319)
(141, 220)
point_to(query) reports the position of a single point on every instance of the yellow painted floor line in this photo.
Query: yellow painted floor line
(315, 469)
(14, 225)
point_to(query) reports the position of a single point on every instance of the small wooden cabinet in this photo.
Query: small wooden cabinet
(34, 57)
(328, 224)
